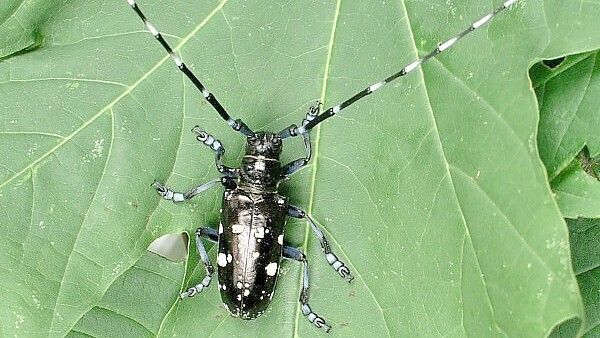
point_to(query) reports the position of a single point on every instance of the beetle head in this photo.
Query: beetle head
(264, 144)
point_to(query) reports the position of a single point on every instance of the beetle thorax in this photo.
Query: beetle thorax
(261, 170)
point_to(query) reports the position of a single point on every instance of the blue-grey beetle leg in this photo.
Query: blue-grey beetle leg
(332, 259)
(175, 196)
(297, 255)
(296, 165)
(191, 292)
(216, 146)
(209, 234)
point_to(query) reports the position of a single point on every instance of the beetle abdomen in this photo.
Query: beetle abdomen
(250, 244)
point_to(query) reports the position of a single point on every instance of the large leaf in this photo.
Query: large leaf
(585, 243)
(447, 219)
(569, 119)
(569, 110)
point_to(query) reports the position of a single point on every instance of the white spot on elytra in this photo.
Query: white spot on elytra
(271, 269)
(222, 259)
(229, 258)
(260, 232)
(237, 228)
(239, 285)
(255, 254)
(220, 228)
(280, 239)
(246, 292)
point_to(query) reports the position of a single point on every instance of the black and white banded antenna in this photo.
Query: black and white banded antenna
(306, 126)
(236, 124)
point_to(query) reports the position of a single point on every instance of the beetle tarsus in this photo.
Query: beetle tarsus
(191, 292)
(345, 273)
(314, 318)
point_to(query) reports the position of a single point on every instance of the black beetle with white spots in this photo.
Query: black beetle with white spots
(250, 235)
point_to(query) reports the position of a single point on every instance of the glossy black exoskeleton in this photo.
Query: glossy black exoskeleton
(251, 230)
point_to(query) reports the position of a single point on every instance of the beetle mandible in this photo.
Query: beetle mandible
(251, 230)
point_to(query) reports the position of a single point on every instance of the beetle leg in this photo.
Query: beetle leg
(191, 292)
(209, 234)
(175, 196)
(332, 259)
(294, 130)
(297, 255)
(216, 146)
(296, 165)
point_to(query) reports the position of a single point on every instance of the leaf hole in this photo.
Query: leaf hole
(172, 247)
(551, 64)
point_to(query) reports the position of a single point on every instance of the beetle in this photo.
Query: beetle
(251, 230)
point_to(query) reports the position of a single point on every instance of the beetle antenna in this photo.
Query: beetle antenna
(407, 69)
(236, 124)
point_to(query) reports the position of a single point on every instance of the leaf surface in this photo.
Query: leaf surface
(21, 22)
(585, 244)
(432, 190)
(569, 116)
(569, 110)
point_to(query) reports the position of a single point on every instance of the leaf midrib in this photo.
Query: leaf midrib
(316, 148)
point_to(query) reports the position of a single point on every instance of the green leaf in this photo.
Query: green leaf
(446, 217)
(568, 96)
(21, 22)
(585, 244)
(569, 110)
(577, 193)
(124, 309)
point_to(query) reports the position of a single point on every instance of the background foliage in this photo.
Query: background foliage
(432, 190)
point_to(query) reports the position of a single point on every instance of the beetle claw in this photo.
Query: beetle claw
(345, 273)
(160, 188)
(320, 323)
